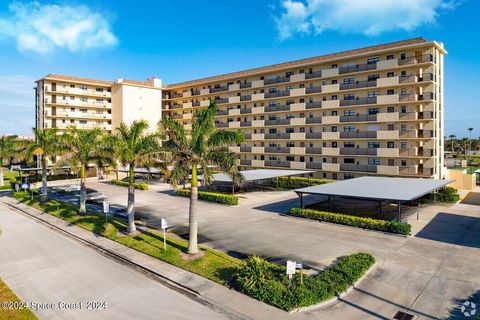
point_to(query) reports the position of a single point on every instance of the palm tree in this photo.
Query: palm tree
(470, 139)
(204, 146)
(135, 147)
(45, 146)
(452, 142)
(81, 148)
(7, 152)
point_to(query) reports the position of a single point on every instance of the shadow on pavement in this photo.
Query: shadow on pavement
(457, 313)
(472, 198)
(452, 228)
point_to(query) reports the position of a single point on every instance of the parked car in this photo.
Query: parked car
(137, 179)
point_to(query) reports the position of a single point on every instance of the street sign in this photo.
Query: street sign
(106, 207)
(291, 267)
(163, 224)
(299, 265)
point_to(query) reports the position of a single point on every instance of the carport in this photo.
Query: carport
(255, 176)
(381, 189)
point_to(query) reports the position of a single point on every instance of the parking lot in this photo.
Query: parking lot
(428, 273)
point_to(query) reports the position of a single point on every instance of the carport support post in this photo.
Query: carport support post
(330, 203)
(381, 207)
(399, 211)
(301, 200)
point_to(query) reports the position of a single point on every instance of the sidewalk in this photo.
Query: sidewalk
(230, 302)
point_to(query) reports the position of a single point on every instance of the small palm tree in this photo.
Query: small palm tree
(204, 146)
(82, 148)
(45, 146)
(7, 152)
(452, 142)
(135, 147)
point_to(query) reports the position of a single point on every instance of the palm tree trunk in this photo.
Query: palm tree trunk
(2, 183)
(192, 215)
(131, 200)
(44, 179)
(83, 192)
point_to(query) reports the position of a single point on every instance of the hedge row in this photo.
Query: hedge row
(138, 185)
(222, 198)
(447, 194)
(353, 221)
(269, 283)
(296, 182)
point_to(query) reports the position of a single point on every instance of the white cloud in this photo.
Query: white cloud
(17, 104)
(368, 17)
(44, 28)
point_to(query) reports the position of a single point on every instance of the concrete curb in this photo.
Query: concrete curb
(337, 297)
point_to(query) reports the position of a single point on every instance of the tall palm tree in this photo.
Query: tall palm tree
(45, 146)
(135, 147)
(204, 146)
(452, 141)
(470, 139)
(81, 148)
(7, 152)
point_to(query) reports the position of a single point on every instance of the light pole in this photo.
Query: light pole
(469, 143)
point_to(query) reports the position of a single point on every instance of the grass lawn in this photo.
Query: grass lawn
(215, 265)
(9, 312)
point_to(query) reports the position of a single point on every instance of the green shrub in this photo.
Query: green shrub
(447, 194)
(138, 185)
(353, 221)
(222, 198)
(287, 183)
(268, 282)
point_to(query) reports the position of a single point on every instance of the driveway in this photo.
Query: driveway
(42, 266)
(429, 274)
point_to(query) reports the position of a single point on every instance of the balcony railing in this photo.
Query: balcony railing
(359, 118)
(358, 84)
(313, 89)
(313, 105)
(245, 149)
(245, 162)
(416, 59)
(277, 163)
(277, 122)
(276, 80)
(358, 151)
(245, 85)
(277, 94)
(245, 110)
(358, 167)
(313, 165)
(313, 120)
(358, 101)
(221, 100)
(313, 150)
(277, 136)
(246, 97)
(313, 135)
(277, 108)
(218, 89)
(315, 74)
(222, 124)
(277, 149)
(358, 135)
(357, 68)
(245, 123)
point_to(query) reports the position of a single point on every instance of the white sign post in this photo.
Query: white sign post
(299, 265)
(164, 226)
(291, 267)
(106, 210)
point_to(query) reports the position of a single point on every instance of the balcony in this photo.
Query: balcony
(245, 85)
(314, 74)
(358, 151)
(313, 120)
(358, 84)
(245, 149)
(221, 100)
(359, 118)
(313, 105)
(222, 124)
(358, 101)
(358, 167)
(245, 110)
(358, 135)
(218, 89)
(277, 94)
(245, 162)
(277, 122)
(313, 135)
(313, 150)
(317, 89)
(314, 165)
(357, 68)
(245, 97)
(195, 103)
(245, 123)
(277, 149)
(277, 163)
(276, 80)
(277, 136)
(416, 59)
(277, 108)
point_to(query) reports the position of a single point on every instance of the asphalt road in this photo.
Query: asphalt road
(65, 278)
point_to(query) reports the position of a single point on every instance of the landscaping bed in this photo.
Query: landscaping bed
(228, 199)
(268, 282)
(353, 221)
(288, 183)
(138, 185)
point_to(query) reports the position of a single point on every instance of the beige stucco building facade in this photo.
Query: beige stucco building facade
(369, 111)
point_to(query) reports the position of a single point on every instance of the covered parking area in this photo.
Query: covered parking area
(399, 191)
(254, 178)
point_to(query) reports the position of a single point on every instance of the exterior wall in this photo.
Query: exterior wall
(130, 103)
(463, 180)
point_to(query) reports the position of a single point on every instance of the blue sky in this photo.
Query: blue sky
(184, 40)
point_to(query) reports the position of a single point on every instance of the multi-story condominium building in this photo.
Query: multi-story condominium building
(371, 111)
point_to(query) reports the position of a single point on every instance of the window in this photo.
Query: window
(373, 161)
(349, 129)
(373, 144)
(390, 144)
(403, 74)
(348, 80)
(390, 91)
(372, 60)
(334, 113)
(349, 160)
(72, 86)
(83, 110)
(334, 144)
(290, 130)
(348, 97)
(373, 94)
(290, 158)
(373, 77)
(349, 144)
(334, 128)
(64, 97)
(403, 56)
(391, 162)
(83, 87)
(403, 127)
(404, 109)
(390, 74)
(390, 57)
(348, 112)
(334, 97)
(403, 163)
(390, 109)
(403, 91)
(72, 98)
(82, 121)
(373, 110)
(334, 66)
(403, 145)
(84, 99)
(334, 81)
